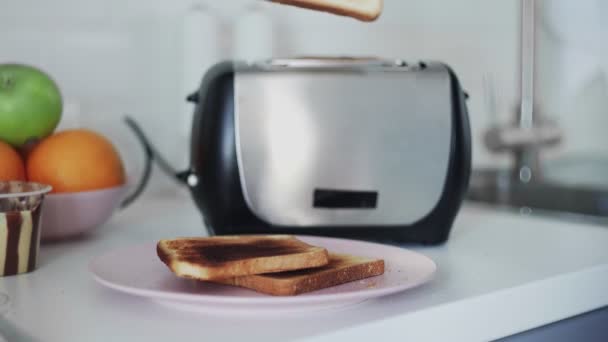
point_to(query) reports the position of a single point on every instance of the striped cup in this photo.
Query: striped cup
(20, 210)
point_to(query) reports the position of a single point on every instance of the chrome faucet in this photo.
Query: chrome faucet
(525, 187)
(530, 132)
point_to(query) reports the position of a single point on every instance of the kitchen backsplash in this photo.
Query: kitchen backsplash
(113, 58)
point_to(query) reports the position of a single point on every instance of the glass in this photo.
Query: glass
(20, 211)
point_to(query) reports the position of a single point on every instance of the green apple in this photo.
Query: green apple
(30, 104)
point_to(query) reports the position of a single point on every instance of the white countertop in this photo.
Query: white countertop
(499, 274)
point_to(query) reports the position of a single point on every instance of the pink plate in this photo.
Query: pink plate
(138, 271)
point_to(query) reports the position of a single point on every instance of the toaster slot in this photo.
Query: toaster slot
(344, 199)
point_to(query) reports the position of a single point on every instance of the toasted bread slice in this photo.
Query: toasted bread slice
(341, 269)
(365, 10)
(232, 256)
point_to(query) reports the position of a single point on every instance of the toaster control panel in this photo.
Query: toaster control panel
(344, 199)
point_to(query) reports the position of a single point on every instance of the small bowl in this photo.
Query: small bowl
(66, 215)
(20, 226)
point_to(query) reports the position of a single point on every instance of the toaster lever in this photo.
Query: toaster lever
(192, 97)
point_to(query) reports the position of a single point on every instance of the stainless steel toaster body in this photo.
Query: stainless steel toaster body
(365, 148)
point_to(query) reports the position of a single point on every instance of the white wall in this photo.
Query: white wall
(113, 57)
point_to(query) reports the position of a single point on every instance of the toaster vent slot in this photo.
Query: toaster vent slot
(344, 199)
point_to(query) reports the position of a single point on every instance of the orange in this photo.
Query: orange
(75, 160)
(11, 164)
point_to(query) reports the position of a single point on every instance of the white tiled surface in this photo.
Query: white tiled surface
(115, 57)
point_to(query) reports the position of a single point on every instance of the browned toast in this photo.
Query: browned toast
(365, 10)
(341, 269)
(233, 256)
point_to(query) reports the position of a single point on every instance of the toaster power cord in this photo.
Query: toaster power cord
(154, 155)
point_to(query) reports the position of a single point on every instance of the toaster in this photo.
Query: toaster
(363, 148)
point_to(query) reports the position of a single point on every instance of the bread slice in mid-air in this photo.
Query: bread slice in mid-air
(232, 256)
(365, 10)
(341, 269)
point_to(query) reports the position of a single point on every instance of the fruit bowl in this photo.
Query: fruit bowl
(66, 215)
